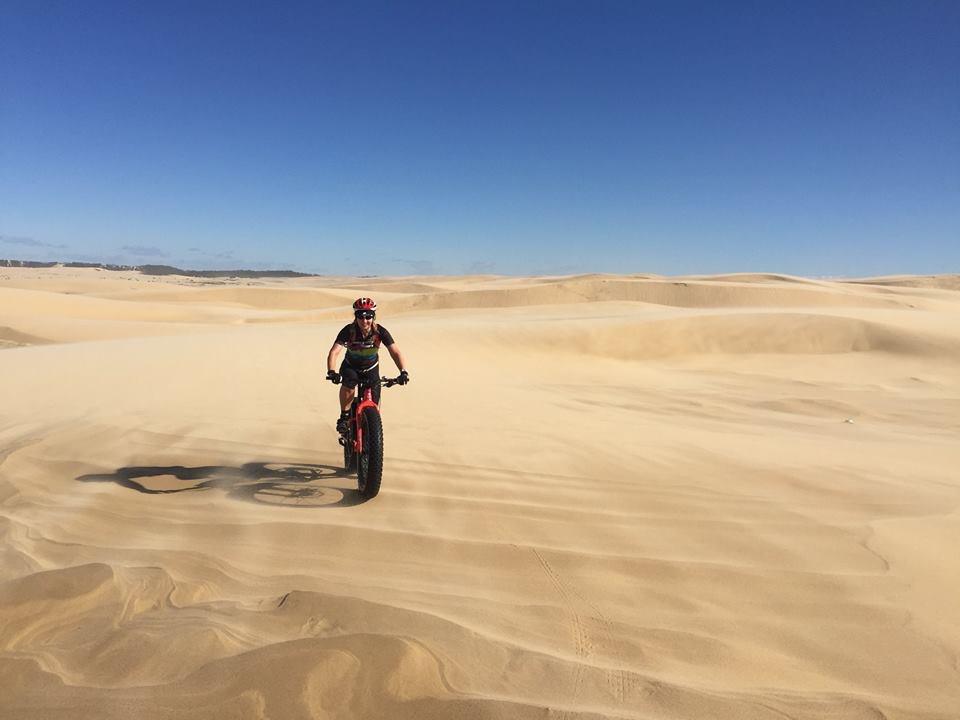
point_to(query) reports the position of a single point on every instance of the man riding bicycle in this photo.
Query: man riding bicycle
(362, 340)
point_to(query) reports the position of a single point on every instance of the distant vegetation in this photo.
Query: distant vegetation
(168, 270)
(160, 269)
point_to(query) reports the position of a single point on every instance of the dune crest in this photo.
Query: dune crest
(676, 293)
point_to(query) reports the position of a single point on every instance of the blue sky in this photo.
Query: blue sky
(813, 138)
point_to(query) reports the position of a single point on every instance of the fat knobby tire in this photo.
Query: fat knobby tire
(370, 464)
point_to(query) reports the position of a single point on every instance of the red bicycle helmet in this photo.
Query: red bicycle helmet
(364, 303)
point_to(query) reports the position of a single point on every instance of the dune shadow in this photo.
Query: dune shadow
(287, 484)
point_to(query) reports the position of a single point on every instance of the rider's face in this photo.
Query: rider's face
(365, 323)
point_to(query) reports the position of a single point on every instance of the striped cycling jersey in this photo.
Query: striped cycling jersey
(362, 352)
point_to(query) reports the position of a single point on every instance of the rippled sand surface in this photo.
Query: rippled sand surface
(604, 496)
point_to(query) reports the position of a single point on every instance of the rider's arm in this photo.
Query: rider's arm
(334, 355)
(394, 351)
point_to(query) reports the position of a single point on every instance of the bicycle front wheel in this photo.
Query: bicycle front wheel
(370, 462)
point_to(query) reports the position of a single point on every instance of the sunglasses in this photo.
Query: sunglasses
(365, 315)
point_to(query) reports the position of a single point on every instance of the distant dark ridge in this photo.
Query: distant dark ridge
(161, 269)
(36, 264)
(169, 270)
(100, 266)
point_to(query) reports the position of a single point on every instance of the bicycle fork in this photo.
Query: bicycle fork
(367, 402)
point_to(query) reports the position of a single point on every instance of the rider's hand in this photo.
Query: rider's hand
(404, 378)
(333, 377)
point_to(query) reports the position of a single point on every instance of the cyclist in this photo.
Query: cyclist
(362, 340)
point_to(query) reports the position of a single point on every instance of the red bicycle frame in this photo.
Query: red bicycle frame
(366, 402)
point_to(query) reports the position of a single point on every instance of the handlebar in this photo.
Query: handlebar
(384, 381)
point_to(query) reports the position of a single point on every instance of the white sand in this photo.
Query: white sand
(604, 496)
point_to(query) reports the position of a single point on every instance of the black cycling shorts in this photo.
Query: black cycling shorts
(351, 378)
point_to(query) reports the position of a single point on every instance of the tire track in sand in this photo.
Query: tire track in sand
(576, 605)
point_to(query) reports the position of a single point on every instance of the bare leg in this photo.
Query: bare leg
(346, 397)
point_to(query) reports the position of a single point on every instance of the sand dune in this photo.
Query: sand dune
(751, 333)
(13, 338)
(271, 298)
(690, 294)
(937, 282)
(604, 497)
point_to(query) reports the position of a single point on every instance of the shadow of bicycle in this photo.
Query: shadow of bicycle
(289, 485)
